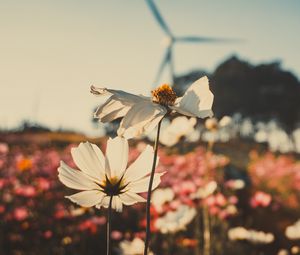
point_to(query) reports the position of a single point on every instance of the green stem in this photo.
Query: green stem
(148, 216)
(197, 233)
(206, 233)
(205, 215)
(108, 240)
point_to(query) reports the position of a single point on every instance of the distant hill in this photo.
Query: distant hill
(45, 138)
(263, 91)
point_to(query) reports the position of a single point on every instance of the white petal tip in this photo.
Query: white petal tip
(161, 174)
(149, 147)
(98, 91)
(204, 78)
(62, 164)
(96, 115)
(75, 201)
(70, 198)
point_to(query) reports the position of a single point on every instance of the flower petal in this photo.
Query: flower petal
(142, 117)
(130, 198)
(116, 156)
(111, 110)
(87, 198)
(89, 158)
(153, 123)
(141, 166)
(142, 184)
(104, 202)
(75, 179)
(119, 95)
(196, 101)
(117, 204)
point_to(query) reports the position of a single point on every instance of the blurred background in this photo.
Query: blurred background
(226, 175)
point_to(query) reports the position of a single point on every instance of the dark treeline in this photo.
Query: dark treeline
(261, 91)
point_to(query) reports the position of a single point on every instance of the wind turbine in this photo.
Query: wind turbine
(170, 40)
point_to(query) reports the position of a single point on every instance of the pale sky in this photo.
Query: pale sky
(51, 51)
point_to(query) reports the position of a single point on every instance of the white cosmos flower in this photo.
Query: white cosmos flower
(179, 127)
(174, 221)
(279, 140)
(205, 191)
(293, 232)
(142, 114)
(218, 130)
(252, 236)
(236, 184)
(101, 177)
(261, 136)
(247, 128)
(135, 247)
(160, 197)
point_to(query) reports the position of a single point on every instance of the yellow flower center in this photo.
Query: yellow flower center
(113, 186)
(164, 95)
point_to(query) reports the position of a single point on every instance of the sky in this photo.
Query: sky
(52, 51)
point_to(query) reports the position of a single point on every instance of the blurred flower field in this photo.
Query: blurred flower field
(248, 205)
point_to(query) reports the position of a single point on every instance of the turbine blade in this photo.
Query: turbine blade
(158, 17)
(165, 61)
(202, 39)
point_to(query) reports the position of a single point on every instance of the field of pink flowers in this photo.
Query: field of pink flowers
(203, 195)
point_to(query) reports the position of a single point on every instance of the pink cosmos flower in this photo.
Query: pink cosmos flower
(25, 191)
(220, 199)
(2, 183)
(260, 199)
(43, 184)
(47, 234)
(20, 213)
(116, 235)
(4, 148)
(2, 208)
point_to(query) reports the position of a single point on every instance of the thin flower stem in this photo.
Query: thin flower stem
(206, 233)
(197, 233)
(206, 218)
(108, 240)
(148, 216)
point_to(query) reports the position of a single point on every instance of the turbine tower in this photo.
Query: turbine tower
(171, 40)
